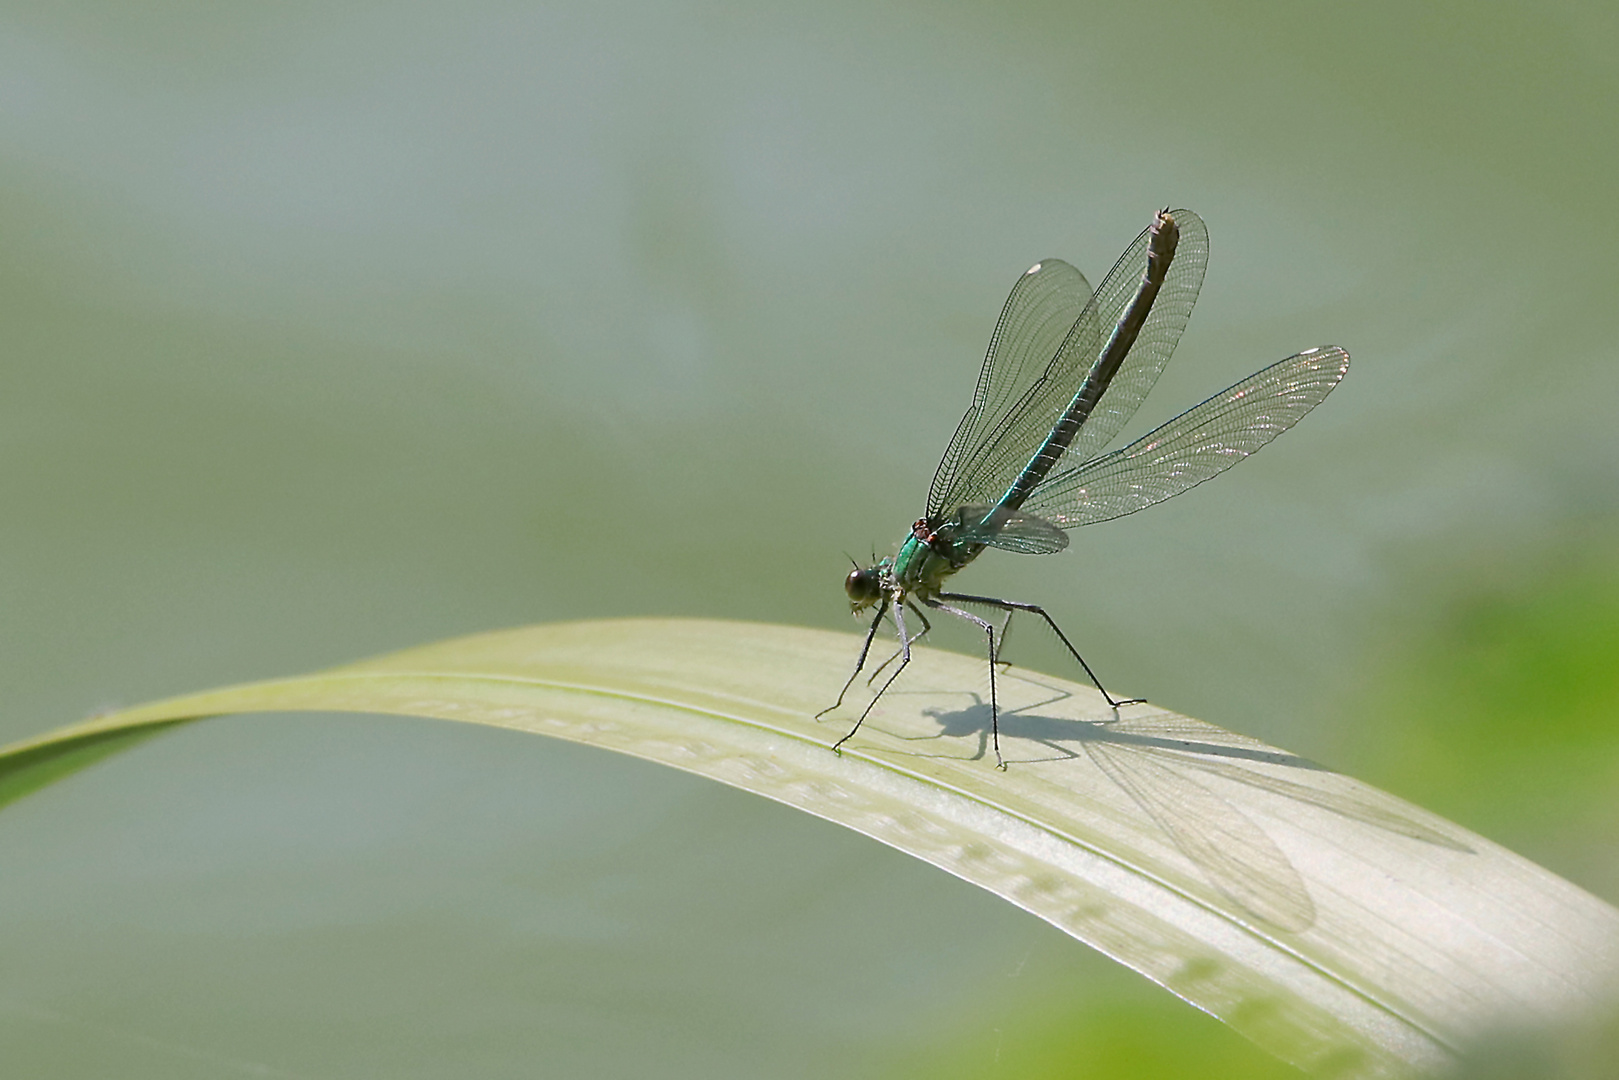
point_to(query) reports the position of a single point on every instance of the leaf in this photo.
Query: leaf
(1336, 926)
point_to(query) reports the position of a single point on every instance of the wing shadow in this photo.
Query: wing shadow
(1159, 760)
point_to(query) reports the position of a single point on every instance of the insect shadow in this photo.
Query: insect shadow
(1162, 762)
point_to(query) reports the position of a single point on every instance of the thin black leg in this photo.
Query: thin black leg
(861, 662)
(1006, 665)
(905, 649)
(1013, 605)
(926, 626)
(994, 702)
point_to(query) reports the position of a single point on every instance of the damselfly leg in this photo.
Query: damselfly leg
(988, 628)
(905, 659)
(926, 626)
(1010, 606)
(860, 662)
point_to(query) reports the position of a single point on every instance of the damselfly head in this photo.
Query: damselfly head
(864, 586)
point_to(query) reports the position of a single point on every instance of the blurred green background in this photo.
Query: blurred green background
(333, 329)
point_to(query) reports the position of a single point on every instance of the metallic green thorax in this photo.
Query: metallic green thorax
(921, 567)
(924, 561)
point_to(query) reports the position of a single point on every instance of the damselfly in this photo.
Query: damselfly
(1027, 462)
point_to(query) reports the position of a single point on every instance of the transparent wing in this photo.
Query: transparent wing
(1157, 340)
(1009, 530)
(1028, 379)
(1048, 305)
(1199, 443)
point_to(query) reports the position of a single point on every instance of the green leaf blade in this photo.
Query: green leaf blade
(1336, 926)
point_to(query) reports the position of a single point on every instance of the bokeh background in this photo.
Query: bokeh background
(334, 329)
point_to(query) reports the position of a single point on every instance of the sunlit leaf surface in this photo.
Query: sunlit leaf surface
(1338, 927)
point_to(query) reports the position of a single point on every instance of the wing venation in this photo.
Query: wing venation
(1200, 443)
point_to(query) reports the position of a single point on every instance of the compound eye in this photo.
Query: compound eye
(863, 586)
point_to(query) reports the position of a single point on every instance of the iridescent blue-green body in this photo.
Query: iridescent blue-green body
(1026, 462)
(917, 572)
